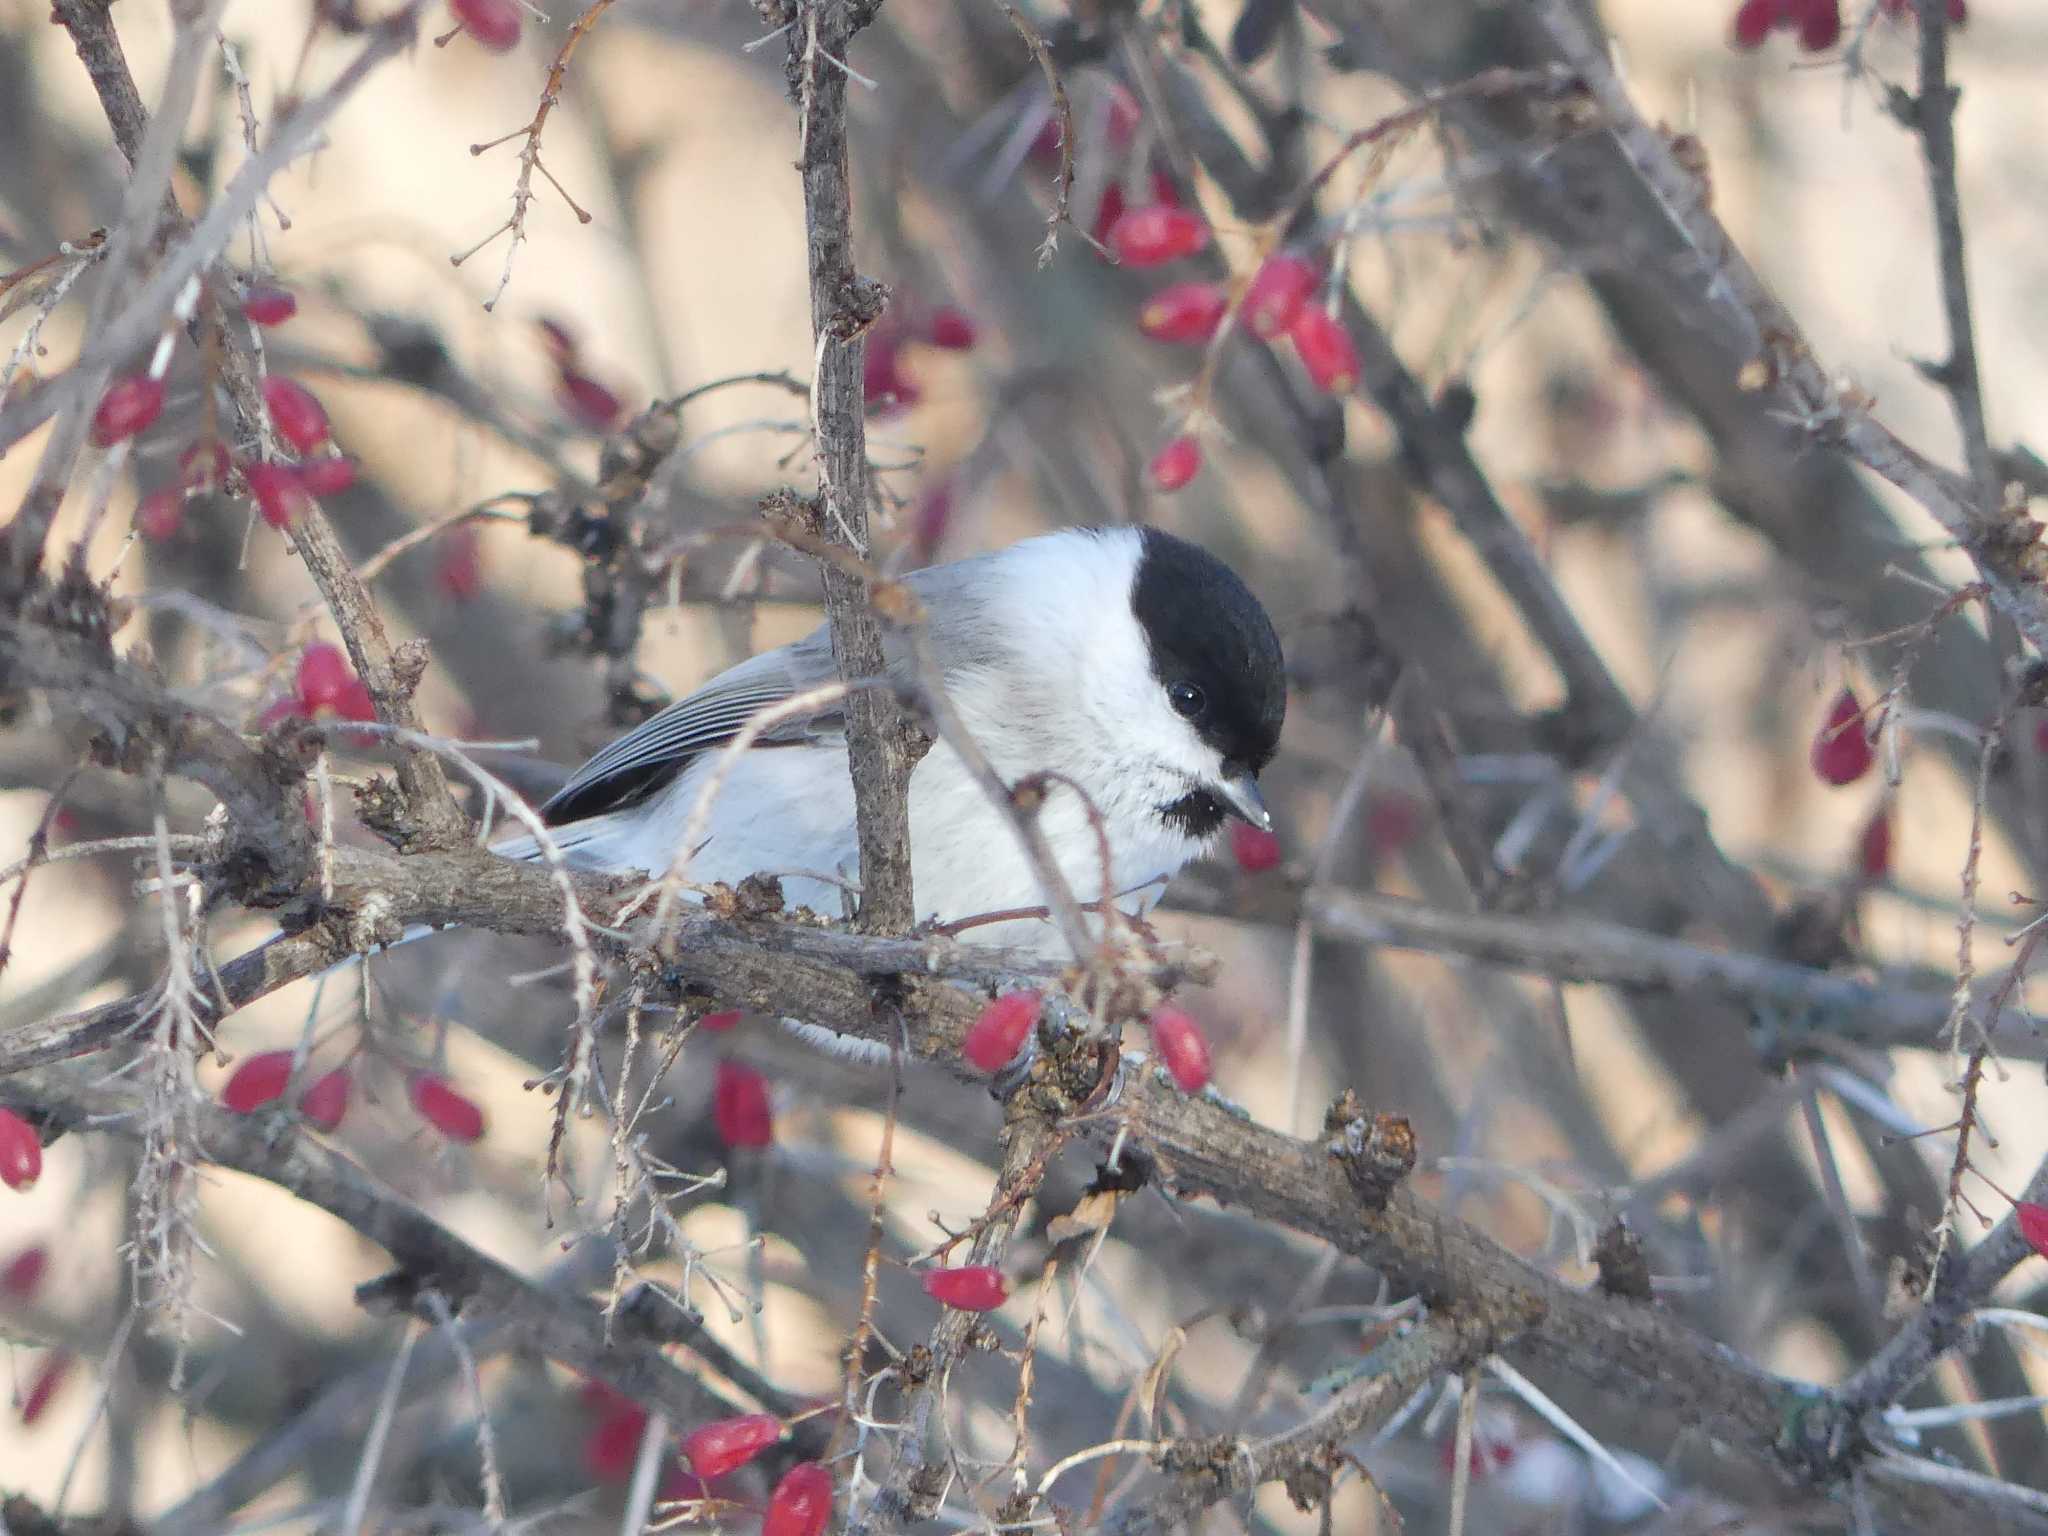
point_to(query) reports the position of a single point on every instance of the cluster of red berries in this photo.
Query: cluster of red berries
(582, 398)
(263, 1078)
(887, 387)
(280, 491)
(21, 1164)
(1818, 23)
(998, 1033)
(800, 1505)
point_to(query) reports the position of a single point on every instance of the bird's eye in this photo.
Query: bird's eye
(1187, 700)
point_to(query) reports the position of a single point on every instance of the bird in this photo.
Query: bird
(1131, 664)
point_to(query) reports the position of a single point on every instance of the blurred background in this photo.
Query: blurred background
(1729, 579)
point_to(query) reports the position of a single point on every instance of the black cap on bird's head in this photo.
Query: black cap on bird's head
(1215, 653)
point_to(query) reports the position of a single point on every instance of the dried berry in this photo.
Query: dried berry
(802, 1502)
(1325, 350)
(300, 419)
(266, 304)
(1184, 312)
(1255, 849)
(995, 1037)
(127, 407)
(21, 1152)
(967, 1287)
(739, 1106)
(326, 1101)
(1176, 464)
(1156, 234)
(1842, 753)
(259, 1080)
(454, 1115)
(728, 1444)
(1284, 282)
(1183, 1048)
(493, 23)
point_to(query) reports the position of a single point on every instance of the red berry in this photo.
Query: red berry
(204, 466)
(968, 1288)
(328, 475)
(459, 567)
(1184, 312)
(300, 419)
(56, 1366)
(277, 493)
(1176, 464)
(802, 1502)
(1284, 282)
(266, 304)
(952, 329)
(1107, 211)
(1820, 25)
(324, 676)
(493, 23)
(727, 1444)
(1325, 350)
(1753, 22)
(994, 1038)
(559, 340)
(719, 1023)
(1255, 849)
(1842, 753)
(586, 402)
(160, 516)
(2033, 1220)
(258, 1080)
(21, 1152)
(1182, 1047)
(23, 1273)
(884, 385)
(739, 1106)
(1154, 235)
(355, 703)
(127, 407)
(326, 1101)
(452, 1114)
(611, 1448)
(1874, 849)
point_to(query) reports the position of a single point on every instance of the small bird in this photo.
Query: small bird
(1132, 663)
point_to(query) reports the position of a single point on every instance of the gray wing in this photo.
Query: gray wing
(653, 752)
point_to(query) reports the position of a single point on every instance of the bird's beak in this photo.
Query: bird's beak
(1242, 795)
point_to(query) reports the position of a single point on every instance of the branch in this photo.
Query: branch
(1870, 1011)
(1787, 372)
(843, 306)
(1933, 115)
(567, 1328)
